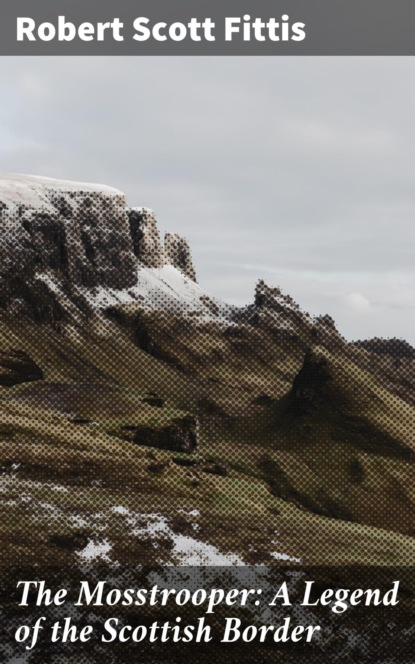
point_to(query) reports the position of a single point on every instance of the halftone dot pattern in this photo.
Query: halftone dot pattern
(144, 422)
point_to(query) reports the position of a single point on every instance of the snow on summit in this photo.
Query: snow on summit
(63, 237)
(30, 190)
(117, 257)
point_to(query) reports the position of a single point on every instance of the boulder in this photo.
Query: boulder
(178, 435)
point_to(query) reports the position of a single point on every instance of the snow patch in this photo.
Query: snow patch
(78, 521)
(32, 190)
(185, 550)
(96, 551)
(161, 288)
(284, 556)
(191, 513)
(120, 510)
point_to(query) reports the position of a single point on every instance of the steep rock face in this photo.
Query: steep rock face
(275, 308)
(77, 235)
(67, 247)
(311, 386)
(279, 312)
(61, 242)
(146, 237)
(178, 254)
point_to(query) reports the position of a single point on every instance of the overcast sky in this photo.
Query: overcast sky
(300, 171)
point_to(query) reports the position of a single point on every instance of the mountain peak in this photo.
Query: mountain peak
(59, 237)
(18, 188)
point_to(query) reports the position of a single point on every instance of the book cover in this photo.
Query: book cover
(207, 361)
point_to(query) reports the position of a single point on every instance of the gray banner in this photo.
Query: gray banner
(331, 27)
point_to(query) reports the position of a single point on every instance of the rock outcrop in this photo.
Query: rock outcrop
(75, 233)
(60, 240)
(179, 255)
(178, 435)
(16, 367)
(59, 236)
(69, 249)
(279, 312)
(146, 237)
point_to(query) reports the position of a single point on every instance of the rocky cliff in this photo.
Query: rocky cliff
(63, 239)
(69, 248)
(178, 254)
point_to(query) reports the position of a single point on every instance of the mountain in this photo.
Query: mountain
(144, 420)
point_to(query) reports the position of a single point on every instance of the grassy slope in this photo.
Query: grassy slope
(285, 474)
(62, 481)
